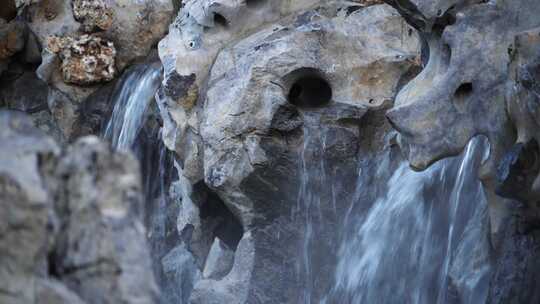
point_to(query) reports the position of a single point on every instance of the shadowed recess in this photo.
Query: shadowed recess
(309, 88)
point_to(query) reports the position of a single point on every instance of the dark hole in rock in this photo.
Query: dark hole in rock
(510, 50)
(309, 89)
(255, 3)
(53, 269)
(443, 20)
(353, 8)
(462, 93)
(464, 90)
(228, 228)
(8, 10)
(220, 20)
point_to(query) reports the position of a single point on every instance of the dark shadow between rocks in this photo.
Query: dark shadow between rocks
(8, 10)
(227, 228)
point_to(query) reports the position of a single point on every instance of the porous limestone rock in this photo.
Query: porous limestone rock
(133, 26)
(482, 78)
(237, 126)
(199, 32)
(462, 91)
(85, 60)
(130, 27)
(250, 83)
(93, 14)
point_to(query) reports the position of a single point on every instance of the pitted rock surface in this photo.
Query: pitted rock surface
(84, 60)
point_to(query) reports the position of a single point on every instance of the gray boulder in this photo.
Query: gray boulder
(71, 227)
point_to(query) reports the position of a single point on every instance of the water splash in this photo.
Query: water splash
(410, 246)
(132, 96)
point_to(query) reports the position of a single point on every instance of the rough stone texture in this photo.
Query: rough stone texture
(462, 91)
(84, 60)
(24, 207)
(236, 120)
(134, 26)
(253, 137)
(219, 261)
(231, 68)
(71, 230)
(74, 73)
(230, 289)
(516, 279)
(180, 271)
(21, 90)
(482, 78)
(189, 50)
(105, 261)
(93, 14)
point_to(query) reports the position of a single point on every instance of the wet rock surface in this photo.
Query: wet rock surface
(457, 97)
(271, 112)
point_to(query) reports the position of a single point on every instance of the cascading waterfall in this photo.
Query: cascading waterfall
(131, 99)
(424, 241)
(416, 238)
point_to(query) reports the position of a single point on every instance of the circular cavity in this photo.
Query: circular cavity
(219, 20)
(309, 89)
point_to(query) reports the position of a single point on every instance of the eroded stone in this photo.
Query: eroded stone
(86, 59)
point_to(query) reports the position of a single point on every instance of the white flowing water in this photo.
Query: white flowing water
(308, 208)
(131, 98)
(423, 242)
(408, 237)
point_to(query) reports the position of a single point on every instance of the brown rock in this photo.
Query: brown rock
(11, 39)
(93, 14)
(85, 60)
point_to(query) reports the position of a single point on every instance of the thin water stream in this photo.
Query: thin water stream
(131, 99)
(406, 237)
